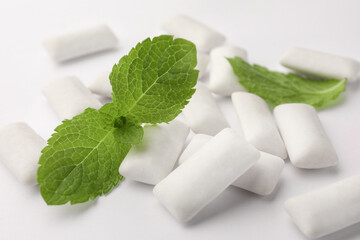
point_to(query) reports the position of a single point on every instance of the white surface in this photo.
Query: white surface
(264, 28)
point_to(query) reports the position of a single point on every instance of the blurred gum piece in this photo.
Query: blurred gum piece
(79, 43)
(69, 97)
(223, 80)
(202, 64)
(101, 84)
(202, 36)
(321, 64)
(20, 150)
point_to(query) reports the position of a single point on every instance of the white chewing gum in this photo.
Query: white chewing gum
(101, 85)
(202, 36)
(155, 157)
(199, 180)
(328, 209)
(197, 142)
(305, 139)
(261, 178)
(69, 97)
(258, 124)
(202, 64)
(80, 43)
(321, 64)
(202, 113)
(20, 150)
(223, 80)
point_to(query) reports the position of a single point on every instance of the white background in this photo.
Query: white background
(264, 28)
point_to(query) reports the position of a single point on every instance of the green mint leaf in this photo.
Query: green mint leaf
(83, 156)
(153, 83)
(150, 85)
(278, 88)
(127, 132)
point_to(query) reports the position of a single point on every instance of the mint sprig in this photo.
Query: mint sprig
(278, 88)
(154, 81)
(150, 85)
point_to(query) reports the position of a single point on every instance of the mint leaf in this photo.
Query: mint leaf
(150, 85)
(278, 88)
(155, 80)
(127, 132)
(83, 156)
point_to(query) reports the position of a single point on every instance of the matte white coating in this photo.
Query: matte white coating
(155, 157)
(258, 124)
(68, 97)
(305, 139)
(328, 209)
(321, 64)
(79, 43)
(199, 180)
(20, 150)
(101, 84)
(202, 113)
(202, 63)
(223, 80)
(197, 142)
(202, 36)
(261, 178)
